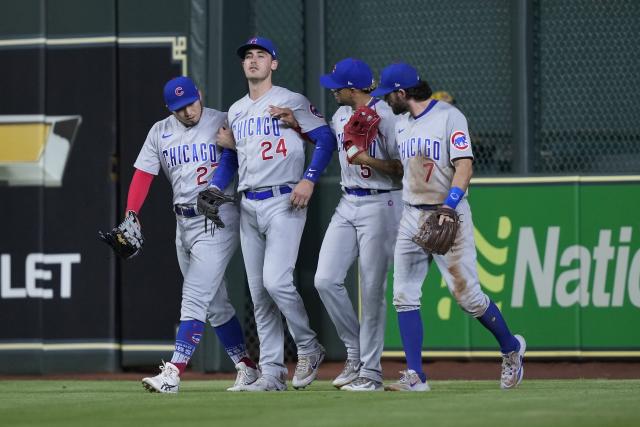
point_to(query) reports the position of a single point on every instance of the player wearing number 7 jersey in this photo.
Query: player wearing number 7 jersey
(275, 191)
(183, 146)
(433, 142)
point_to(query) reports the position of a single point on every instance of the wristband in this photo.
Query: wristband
(455, 195)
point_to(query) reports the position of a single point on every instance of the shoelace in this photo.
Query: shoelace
(350, 365)
(165, 371)
(243, 377)
(404, 378)
(508, 363)
(303, 364)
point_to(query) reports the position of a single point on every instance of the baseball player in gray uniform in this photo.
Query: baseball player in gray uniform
(433, 142)
(364, 226)
(183, 145)
(275, 192)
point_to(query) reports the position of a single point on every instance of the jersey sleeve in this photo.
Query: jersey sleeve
(458, 136)
(308, 117)
(148, 159)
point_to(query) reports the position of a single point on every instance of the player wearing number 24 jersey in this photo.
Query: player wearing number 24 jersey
(275, 190)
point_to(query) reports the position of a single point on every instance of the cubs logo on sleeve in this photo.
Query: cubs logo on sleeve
(315, 112)
(459, 140)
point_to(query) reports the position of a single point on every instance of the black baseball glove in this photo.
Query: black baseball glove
(126, 239)
(209, 202)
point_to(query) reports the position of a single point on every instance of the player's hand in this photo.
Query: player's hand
(126, 214)
(444, 218)
(225, 139)
(285, 115)
(301, 194)
(362, 159)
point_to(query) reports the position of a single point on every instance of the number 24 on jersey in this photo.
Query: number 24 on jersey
(267, 149)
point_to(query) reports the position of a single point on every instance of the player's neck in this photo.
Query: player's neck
(417, 107)
(259, 88)
(360, 100)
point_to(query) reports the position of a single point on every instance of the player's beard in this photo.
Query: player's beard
(399, 107)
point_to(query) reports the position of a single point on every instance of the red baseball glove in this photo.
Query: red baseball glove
(360, 131)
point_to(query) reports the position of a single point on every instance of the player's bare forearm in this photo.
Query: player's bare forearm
(391, 167)
(462, 176)
(301, 194)
(225, 139)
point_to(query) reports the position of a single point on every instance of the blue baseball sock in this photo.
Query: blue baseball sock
(232, 338)
(410, 324)
(187, 340)
(492, 320)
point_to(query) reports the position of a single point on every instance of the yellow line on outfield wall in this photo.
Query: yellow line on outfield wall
(530, 354)
(85, 346)
(147, 347)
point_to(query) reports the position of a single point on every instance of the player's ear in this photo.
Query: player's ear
(200, 95)
(274, 65)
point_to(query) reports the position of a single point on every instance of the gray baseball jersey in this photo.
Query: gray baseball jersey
(271, 155)
(188, 156)
(428, 144)
(269, 152)
(363, 227)
(384, 147)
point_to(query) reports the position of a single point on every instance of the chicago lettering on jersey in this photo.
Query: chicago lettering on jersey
(187, 153)
(260, 125)
(418, 147)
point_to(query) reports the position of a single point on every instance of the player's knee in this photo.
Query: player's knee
(475, 302)
(272, 286)
(323, 284)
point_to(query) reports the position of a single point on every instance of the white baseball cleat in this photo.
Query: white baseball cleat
(363, 384)
(409, 381)
(307, 368)
(267, 383)
(167, 381)
(513, 366)
(246, 376)
(349, 373)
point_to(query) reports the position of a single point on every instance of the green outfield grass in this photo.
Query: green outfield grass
(205, 403)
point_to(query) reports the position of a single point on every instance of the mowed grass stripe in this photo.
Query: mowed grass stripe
(206, 403)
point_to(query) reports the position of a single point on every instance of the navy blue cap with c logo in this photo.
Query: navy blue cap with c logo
(260, 43)
(180, 92)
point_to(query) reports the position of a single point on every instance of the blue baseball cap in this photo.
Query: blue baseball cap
(396, 76)
(349, 72)
(260, 43)
(180, 92)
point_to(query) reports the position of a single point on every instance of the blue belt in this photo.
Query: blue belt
(185, 210)
(426, 207)
(266, 194)
(363, 191)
